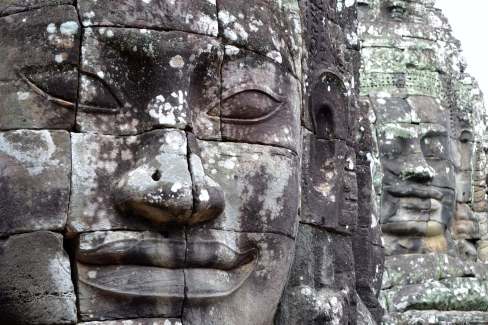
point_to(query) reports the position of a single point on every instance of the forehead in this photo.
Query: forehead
(410, 110)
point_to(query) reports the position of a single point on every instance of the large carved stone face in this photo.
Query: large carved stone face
(429, 129)
(418, 194)
(168, 155)
(419, 144)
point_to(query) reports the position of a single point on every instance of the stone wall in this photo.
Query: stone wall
(336, 275)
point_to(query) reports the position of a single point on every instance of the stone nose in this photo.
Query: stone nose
(418, 171)
(169, 191)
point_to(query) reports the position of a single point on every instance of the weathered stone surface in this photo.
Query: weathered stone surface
(190, 16)
(225, 270)
(260, 101)
(8, 7)
(270, 28)
(189, 127)
(430, 121)
(35, 286)
(39, 88)
(330, 190)
(437, 317)
(132, 182)
(34, 180)
(127, 274)
(260, 185)
(140, 321)
(317, 290)
(135, 80)
(129, 291)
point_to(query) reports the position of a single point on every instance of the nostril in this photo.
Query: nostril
(156, 176)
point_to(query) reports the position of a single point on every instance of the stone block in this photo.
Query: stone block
(39, 88)
(35, 286)
(34, 180)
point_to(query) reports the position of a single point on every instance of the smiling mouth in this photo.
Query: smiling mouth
(146, 264)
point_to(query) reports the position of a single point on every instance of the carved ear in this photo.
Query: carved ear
(328, 107)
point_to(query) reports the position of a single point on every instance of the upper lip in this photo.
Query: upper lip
(414, 191)
(165, 252)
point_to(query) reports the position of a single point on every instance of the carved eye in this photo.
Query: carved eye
(434, 147)
(466, 136)
(250, 106)
(393, 148)
(58, 86)
(96, 96)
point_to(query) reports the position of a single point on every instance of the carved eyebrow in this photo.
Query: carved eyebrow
(434, 130)
(42, 93)
(392, 131)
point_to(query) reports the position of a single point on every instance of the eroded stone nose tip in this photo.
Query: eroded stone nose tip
(170, 193)
(159, 193)
(419, 173)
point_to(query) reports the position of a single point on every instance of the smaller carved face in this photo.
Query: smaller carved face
(418, 193)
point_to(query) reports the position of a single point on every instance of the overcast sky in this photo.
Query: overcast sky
(469, 22)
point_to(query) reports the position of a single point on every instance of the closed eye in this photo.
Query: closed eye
(96, 96)
(66, 103)
(250, 106)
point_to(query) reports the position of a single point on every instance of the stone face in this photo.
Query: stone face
(34, 180)
(209, 166)
(36, 285)
(39, 88)
(429, 118)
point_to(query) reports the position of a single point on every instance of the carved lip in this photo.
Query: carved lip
(152, 249)
(414, 191)
(143, 264)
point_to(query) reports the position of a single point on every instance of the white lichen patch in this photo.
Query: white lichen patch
(69, 28)
(177, 62)
(23, 95)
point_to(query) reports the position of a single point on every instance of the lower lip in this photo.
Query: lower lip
(157, 282)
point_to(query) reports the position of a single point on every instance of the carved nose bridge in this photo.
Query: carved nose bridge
(170, 189)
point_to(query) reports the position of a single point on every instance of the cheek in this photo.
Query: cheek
(260, 185)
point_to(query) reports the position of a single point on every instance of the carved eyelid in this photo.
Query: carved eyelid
(68, 104)
(265, 91)
(47, 96)
(98, 109)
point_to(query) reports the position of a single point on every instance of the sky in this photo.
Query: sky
(469, 22)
